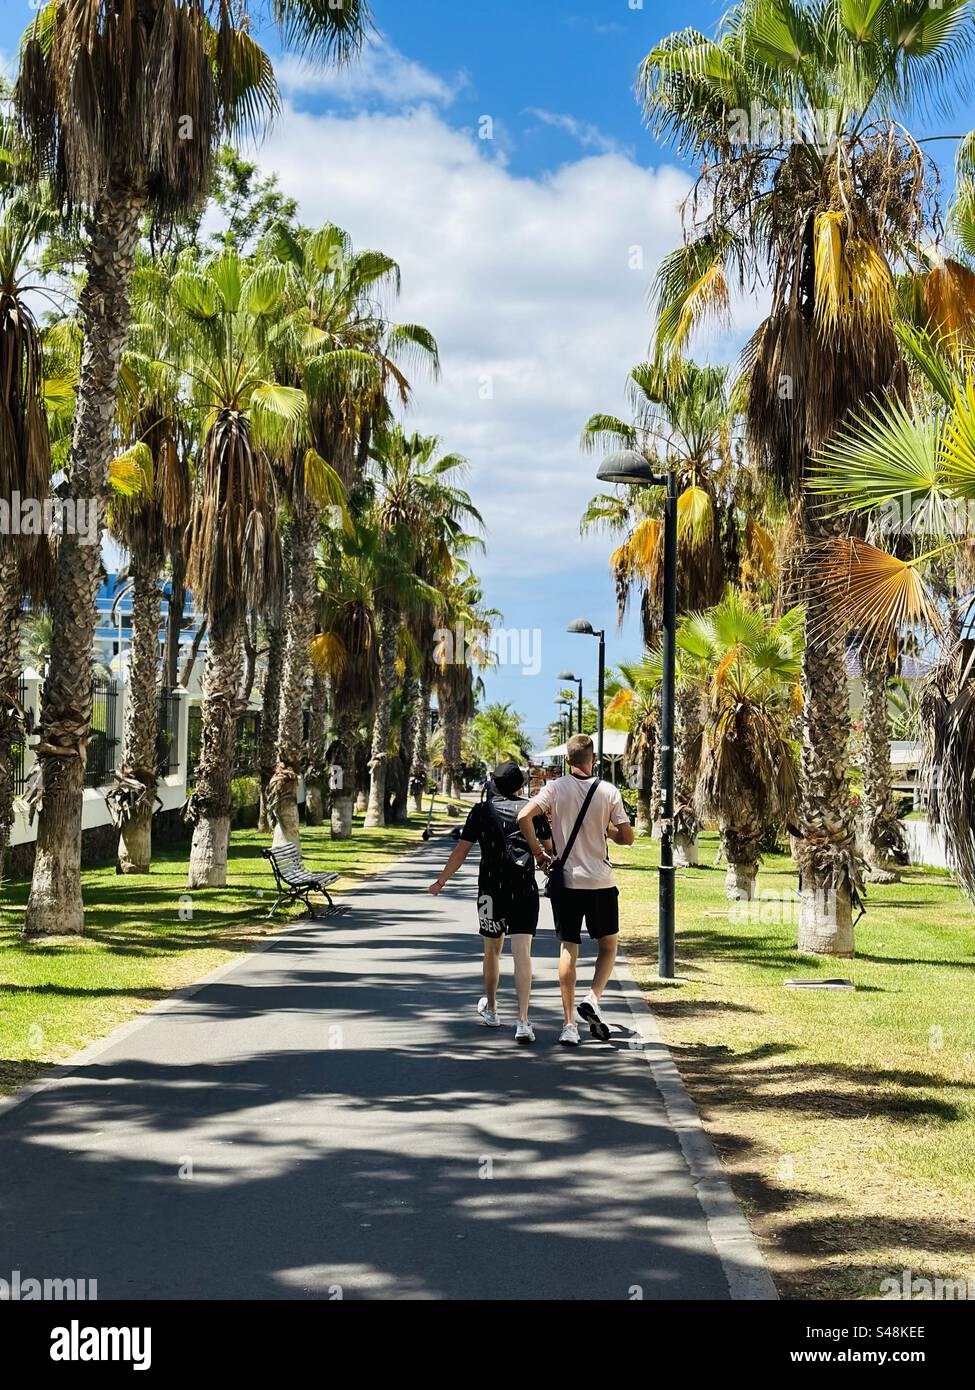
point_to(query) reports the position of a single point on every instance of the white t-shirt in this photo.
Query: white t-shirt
(588, 865)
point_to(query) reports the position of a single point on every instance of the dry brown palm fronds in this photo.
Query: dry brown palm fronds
(235, 557)
(867, 594)
(949, 301)
(25, 453)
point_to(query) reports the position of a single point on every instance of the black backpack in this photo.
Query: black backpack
(517, 860)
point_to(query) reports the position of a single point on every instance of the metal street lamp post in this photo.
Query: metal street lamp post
(586, 629)
(631, 469)
(576, 680)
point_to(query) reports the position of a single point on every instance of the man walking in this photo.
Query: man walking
(507, 894)
(583, 811)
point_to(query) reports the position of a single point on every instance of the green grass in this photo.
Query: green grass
(846, 1122)
(145, 937)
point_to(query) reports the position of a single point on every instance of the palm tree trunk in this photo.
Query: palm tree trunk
(882, 831)
(343, 784)
(421, 735)
(401, 808)
(270, 708)
(644, 791)
(740, 847)
(687, 753)
(315, 772)
(827, 859)
(300, 629)
(656, 790)
(212, 799)
(174, 616)
(141, 720)
(249, 643)
(186, 675)
(451, 747)
(55, 904)
(388, 629)
(11, 602)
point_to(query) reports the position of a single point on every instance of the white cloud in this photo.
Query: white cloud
(381, 75)
(526, 283)
(589, 136)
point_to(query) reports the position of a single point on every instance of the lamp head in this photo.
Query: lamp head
(628, 467)
(580, 625)
(567, 676)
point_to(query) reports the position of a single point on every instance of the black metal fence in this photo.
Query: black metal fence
(18, 750)
(167, 733)
(104, 741)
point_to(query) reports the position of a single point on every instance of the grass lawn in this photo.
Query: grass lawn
(145, 937)
(845, 1121)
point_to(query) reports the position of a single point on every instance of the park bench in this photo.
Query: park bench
(293, 881)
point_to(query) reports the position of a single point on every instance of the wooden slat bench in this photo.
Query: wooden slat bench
(293, 881)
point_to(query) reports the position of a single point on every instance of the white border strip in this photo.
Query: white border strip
(741, 1259)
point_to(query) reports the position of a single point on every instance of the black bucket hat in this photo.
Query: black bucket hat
(508, 778)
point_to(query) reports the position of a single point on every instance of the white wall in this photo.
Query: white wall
(171, 790)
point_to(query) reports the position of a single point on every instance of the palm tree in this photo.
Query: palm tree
(270, 708)
(911, 475)
(499, 735)
(122, 105)
(682, 422)
(821, 212)
(420, 770)
(419, 513)
(25, 462)
(342, 351)
(234, 547)
(149, 524)
(633, 694)
(315, 771)
(457, 687)
(749, 666)
(345, 651)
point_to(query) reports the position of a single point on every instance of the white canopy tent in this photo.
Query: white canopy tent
(614, 750)
(614, 746)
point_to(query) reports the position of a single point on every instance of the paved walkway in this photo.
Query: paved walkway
(328, 1114)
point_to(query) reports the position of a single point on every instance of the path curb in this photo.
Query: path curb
(741, 1259)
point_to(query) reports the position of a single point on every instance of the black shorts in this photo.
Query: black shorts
(507, 918)
(599, 907)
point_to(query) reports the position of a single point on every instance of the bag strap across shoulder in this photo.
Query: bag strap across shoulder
(578, 825)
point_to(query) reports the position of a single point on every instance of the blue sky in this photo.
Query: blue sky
(529, 254)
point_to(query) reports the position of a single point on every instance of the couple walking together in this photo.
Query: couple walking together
(562, 830)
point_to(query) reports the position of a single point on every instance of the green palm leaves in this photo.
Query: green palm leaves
(748, 665)
(683, 420)
(912, 474)
(499, 734)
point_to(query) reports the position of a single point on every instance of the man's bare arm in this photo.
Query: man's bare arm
(620, 834)
(457, 858)
(526, 821)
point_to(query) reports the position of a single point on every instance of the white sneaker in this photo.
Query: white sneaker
(589, 1010)
(569, 1037)
(524, 1032)
(489, 1017)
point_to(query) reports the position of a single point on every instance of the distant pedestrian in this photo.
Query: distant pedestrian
(583, 811)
